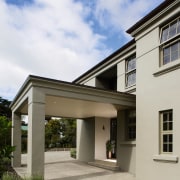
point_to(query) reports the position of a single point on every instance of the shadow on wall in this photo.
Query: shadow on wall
(127, 159)
(86, 139)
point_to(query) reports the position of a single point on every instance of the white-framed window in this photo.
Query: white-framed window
(131, 71)
(170, 42)
(166, 132)
(131, 125)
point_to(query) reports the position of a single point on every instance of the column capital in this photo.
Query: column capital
(36, 95)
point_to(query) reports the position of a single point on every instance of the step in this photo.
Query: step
(105, 165)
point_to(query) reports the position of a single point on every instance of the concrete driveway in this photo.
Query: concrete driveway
(60, 166)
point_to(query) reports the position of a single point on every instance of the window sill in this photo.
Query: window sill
(168, 68)
(127, 143)
(166, 158)
(130, 89)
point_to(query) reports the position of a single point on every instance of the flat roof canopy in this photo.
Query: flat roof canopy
(64, 99)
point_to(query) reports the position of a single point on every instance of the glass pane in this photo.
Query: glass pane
(164, 36)
(170, 148)
(165, 117)
(170, 126)
(166, 55)
(166, 51)
(170, 116)
(131, 79)
(170, 138)
(165, 126)
(174, 51)
(172, 30)
(131, 64)
(165, 148)
(165, 138)
(174, 47)
(132, 132)
(174, 56)
(132, 114)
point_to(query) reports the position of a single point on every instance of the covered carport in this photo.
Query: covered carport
(40, 97)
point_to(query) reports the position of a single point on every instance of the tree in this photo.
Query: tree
(69, 132)
(5, 144)
(52, 132)
(4, 107)
(60, 133)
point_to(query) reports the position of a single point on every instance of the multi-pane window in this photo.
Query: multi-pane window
(170, 42)
(166, 131)
(131, 125)
(171, 52)
(131, 71)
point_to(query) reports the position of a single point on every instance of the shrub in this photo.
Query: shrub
(73, 153)
(10, 176)
(5, 148)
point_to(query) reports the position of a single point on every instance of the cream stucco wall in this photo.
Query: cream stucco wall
(121, 76)
(154, 94)
(91, 82)
(85, 139)
(126, 150)
(101, 136)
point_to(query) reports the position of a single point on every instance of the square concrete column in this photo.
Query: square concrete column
(86, 140)
(36, 135)
(16, 139)
(121, 131)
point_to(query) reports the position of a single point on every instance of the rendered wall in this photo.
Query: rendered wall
(121, 76)
(85, 139)
(91, 82)
(126, 150)
(154, 94)
(101, 136)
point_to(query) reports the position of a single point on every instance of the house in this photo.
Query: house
(131, 97)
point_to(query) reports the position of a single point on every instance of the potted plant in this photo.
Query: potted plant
(108, 149)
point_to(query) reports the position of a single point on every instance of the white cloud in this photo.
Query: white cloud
(48, 38)
(121, 15)
(57, 39)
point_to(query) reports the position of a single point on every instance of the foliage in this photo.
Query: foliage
(60, 133)
(24, 141)
(73, 153)
(4, 107)
(34, 177)
(11, 176)
(109, 145)
(5, 144)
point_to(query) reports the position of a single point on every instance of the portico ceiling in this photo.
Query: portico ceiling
(78, 108)
(65, 99)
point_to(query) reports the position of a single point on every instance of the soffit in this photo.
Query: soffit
(70, 100)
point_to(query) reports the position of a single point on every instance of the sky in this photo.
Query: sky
(61, 39)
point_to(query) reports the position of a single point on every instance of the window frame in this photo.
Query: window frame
(130, 125)
(170, 44)
(167, 132)
(169, 41)
(129, 72)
